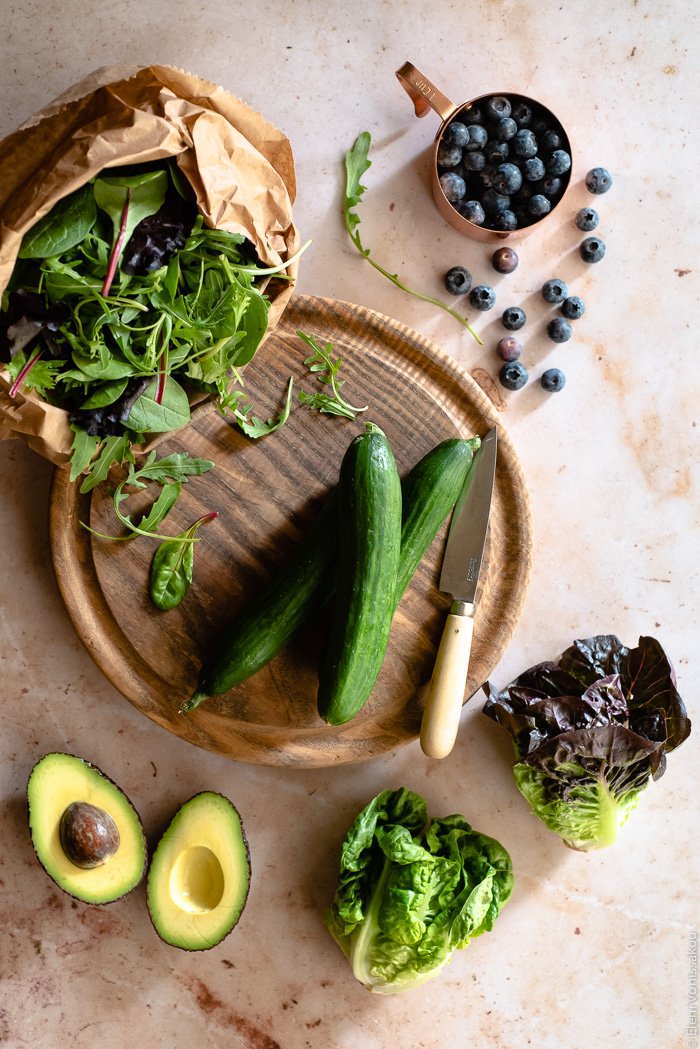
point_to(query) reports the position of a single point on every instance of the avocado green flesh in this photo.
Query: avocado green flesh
(200, 874)
(59, 780)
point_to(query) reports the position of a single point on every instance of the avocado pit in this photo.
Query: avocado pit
(89, 836)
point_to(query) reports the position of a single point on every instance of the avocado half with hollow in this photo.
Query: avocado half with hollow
(200, 874)
(86, 833)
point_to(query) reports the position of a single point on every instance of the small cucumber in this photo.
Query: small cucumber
(369, 546)
(265, 626)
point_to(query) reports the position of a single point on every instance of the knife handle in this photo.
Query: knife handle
(443, 705)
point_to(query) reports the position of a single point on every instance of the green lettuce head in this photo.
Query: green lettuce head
(591, 733)
(409, 895)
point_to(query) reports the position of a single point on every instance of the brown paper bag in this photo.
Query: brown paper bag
(241, 169)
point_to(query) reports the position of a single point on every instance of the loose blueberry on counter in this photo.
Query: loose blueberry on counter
(472, 211)
(513, 318)
(508, 179)
(592, 249)
(504, 260)
(524, 144)
(497, 107)
(448, 156)
(453, 186)
(478, 137)
(482, 297)
(533, 169)
(554, 291)
(598, 180)
(558, 162)
(456, 134)
(539, 205)
(559, 330)
(458, 280)
(587, 219)
(553, 380)
(513, 375)
(509, 349)
(573, 308)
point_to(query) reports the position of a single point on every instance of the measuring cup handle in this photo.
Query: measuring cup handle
(423, 94)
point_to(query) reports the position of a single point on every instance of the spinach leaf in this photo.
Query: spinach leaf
(144, 193)
(172, 567)
(172, 413)
(67, 224)
(107, 393)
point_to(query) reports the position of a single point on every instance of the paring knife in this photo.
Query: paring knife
(459, 576)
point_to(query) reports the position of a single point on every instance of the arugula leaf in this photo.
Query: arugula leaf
(67, 224)
(356, 164)
(113, 450)
(254, 427)
(162, 507)
(177, 466)
(326, 369)
(82, 452)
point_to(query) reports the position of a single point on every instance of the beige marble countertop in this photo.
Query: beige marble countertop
(592, 949)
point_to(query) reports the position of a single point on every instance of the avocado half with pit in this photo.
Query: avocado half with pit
(86, 833)
(199, 876)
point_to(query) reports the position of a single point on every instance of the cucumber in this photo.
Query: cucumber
(369, 546)
(265, 626)
(429, 493)
(308, 580)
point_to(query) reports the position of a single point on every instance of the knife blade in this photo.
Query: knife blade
(459, 577)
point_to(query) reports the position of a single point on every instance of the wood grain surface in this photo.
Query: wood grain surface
(266, 493)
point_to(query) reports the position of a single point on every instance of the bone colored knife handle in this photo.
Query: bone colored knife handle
(443, 705)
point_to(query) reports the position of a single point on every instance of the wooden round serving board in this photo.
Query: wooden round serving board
(266, 493)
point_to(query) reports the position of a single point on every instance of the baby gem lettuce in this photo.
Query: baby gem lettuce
(410, 892)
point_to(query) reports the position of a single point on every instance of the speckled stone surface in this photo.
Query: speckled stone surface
(592, 949)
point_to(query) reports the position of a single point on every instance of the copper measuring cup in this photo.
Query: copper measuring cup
(425, 96)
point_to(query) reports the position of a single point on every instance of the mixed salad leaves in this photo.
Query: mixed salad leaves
(410, 892)
(591, 732)
(121, 301)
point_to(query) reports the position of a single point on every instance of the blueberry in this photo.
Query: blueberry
(550, 141)
(598, 180)
(482, 297)
(524, 144)
(456, 134)
(472, 212)
(554, 291)
(497, 107)
(523, 216)
(586, 219)
(539, 127)
(508, 179)
(513, 318)
(496, 152)
(533, 169)
(559, 330)
(505, 221)
(513, 376)
(558, 162)
(458, 281)
(493, 202)
(539, 206)
(592, 249)
(505, 129)
(504, 260)
(448, 156)
(509, 349)
(487, 176)
(473, 161)
(472, 115)
(553, 380)
(521, 114)
(552, 186)
(453, 186)
(478, 137)
(573, 308)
